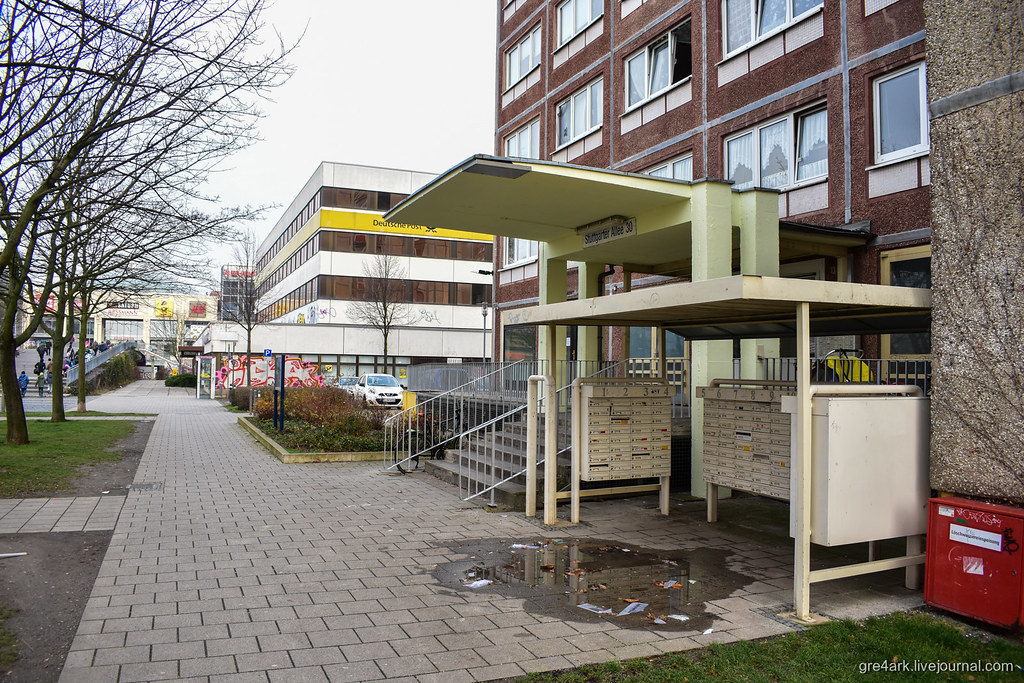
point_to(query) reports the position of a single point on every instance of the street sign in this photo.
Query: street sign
(267, 353)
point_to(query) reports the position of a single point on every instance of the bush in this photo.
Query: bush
(239, 397)
(324, 419)
(187, 380)
(116, 372)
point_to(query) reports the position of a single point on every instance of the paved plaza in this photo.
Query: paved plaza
(227, 565)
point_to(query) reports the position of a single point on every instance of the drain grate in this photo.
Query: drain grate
(147, 486)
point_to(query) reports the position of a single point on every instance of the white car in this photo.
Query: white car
(379, 390)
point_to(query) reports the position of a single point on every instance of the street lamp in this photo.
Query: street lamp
(483, 312)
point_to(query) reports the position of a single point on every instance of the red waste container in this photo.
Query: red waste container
(973, 565)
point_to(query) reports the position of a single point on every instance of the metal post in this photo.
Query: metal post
(550, 436)
(483, 311)
(801, 506)
(531, 444)
(576, 420)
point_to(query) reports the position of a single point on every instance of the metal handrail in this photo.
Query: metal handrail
(98, 360)
(440, 419)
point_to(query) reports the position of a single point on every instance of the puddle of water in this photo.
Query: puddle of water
(589, 580)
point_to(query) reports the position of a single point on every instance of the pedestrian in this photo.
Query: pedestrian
(41, 383)
(23, 382)
(41, 350)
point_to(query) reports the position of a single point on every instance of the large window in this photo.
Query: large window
(781, 152)
(901, 114)
(663, 63)
(519, 251)
(116, 330)
(580, 114)
(522, 58)
(525, 142)
(910, 267)
(677, 169)
(748, 20)
(576, 15)
(163, 329)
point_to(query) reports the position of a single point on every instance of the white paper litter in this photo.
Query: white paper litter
(479, 583)
(633, 607)
(708, 631)
(668, 584)
(692, 581)
(660, 621)
(597, 609)
(679, 617)
(523, 545)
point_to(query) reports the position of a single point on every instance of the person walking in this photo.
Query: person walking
(23, 382)
(41, 383)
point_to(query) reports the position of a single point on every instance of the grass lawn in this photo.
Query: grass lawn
(890, 646)
(57, 448)
(8, 641)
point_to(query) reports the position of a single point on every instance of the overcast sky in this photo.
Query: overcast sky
(397, 83)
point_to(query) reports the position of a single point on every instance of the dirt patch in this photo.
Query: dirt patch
(49, 587)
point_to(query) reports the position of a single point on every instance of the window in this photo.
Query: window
(580, 114)
(910, 267)
(518, 251)
(748, 20)
(576, 15)
(901, 114)
(771, 155)
(523, 58)
(680, 169)
(525, 142)
(661, 64)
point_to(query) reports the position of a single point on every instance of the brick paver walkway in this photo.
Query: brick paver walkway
(231, 566)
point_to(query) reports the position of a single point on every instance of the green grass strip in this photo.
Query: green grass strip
(8, 641)
(48, 463)
(898, 646)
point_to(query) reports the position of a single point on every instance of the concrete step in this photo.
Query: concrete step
(509, 494)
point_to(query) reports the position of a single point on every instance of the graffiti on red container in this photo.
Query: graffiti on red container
(297, 373)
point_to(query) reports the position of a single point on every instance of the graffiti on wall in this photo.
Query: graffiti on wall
(297, 373)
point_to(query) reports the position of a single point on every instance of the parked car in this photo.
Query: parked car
(380, 390)
(348, 384)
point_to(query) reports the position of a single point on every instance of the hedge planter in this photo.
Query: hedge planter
(290, 458)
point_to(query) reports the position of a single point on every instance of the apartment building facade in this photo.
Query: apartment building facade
(822, 100)
(325, 256)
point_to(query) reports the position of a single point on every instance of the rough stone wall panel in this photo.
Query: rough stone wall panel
(978, 318)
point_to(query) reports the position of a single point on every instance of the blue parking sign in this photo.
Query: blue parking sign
(267, 353)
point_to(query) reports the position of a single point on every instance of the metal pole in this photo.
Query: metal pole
(483, 311)
(802, 495)
(531, 444)
(576, 415)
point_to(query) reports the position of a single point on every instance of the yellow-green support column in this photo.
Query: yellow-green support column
(553, 289)
(756, 212)
(587, 349)
(711, 213)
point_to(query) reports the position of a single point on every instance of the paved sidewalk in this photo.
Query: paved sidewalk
(37, 515)
(226, 565)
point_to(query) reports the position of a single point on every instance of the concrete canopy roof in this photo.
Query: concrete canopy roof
(745, 306)
(547, 202)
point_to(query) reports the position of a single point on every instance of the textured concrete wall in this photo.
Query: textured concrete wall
(977, 162)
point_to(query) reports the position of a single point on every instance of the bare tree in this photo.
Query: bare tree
(384, 303)
(104, 101)
(245, 300)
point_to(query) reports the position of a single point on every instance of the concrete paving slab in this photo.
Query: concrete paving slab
(327, 571)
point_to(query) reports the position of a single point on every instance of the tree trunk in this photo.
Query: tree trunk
(57, 385)
(17, 427)
(81, 357)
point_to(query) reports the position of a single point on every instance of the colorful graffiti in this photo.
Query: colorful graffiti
(297, 373)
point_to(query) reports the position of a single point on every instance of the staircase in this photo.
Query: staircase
(490, 463)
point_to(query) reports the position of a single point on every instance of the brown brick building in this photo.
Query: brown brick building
(822, 100)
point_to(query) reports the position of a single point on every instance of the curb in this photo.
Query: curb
(298, 458)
